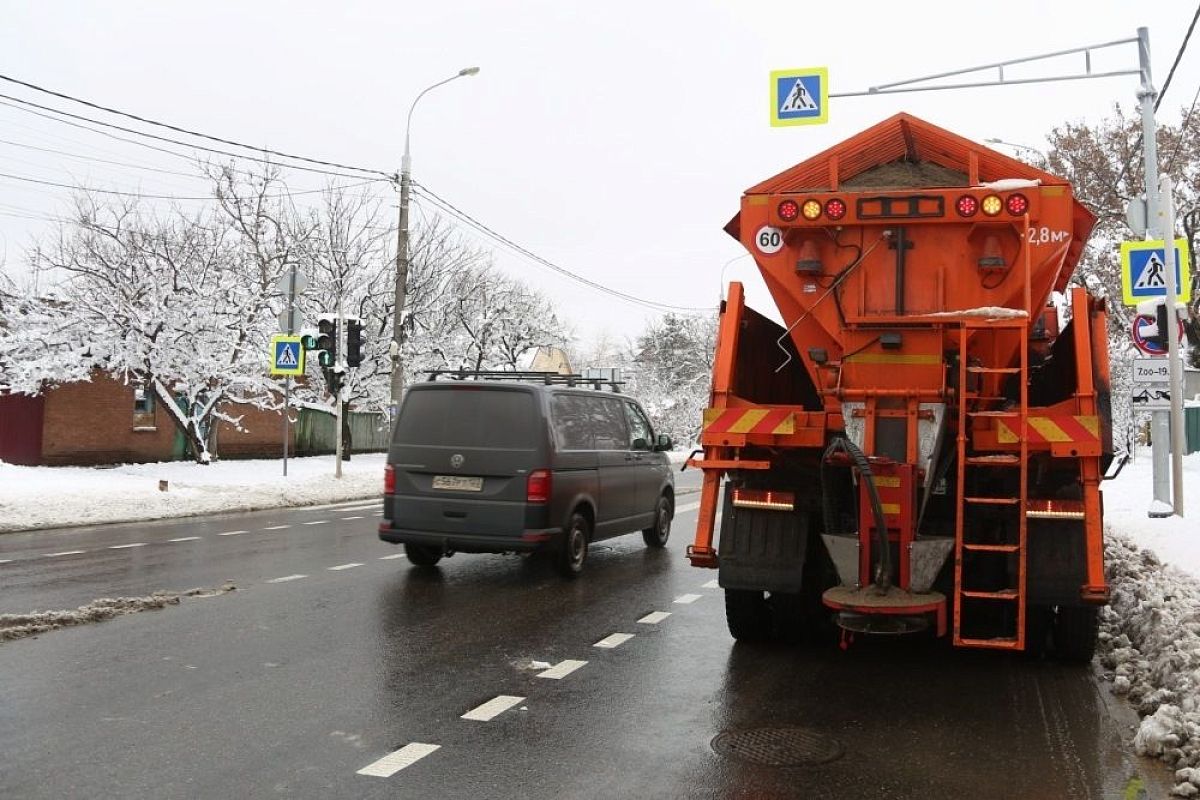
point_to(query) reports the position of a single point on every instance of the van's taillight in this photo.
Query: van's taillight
(537, 488)
(389, 480)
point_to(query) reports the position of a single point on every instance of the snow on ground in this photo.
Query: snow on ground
(53, 497)
(1150, 634)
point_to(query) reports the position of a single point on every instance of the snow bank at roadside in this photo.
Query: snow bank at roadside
(1150, 650)
(52, 497)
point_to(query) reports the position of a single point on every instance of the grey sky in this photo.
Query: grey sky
(611, 138)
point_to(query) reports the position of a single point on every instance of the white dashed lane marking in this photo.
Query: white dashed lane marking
(185, 539)
(231, 533)
(126, 546)
(345, 566)
(684, 599)
(357, 517)
(561, 670)
(274, 528)
(393, 555)
(317, 522)
(492, 708)
(615, 640)
(654, 617)
(713, 584)
(287, 578)
(65, 553)
(5, 560)
(392, 763)
(686, 507)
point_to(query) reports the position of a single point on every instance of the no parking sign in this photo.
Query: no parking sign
(1145, 326)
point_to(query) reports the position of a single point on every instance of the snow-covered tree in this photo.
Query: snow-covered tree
(1105, 166)
(673, 360)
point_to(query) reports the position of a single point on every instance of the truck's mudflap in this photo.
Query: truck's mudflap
(762, 550)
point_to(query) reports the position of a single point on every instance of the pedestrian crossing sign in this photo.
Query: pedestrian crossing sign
(800, 96)
(1144, 274)
(287, 355)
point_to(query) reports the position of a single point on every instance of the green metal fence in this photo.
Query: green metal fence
(315, 432)
(1191, 427)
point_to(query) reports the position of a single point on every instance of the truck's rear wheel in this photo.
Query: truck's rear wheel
(748, 615)
(1075, 631)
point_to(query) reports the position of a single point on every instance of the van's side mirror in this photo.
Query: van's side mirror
(664, 442)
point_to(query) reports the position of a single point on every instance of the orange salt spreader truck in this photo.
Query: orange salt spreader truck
(919, 446)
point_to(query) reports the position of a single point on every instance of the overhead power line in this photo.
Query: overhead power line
(1178, 57)
(134, 131)
(428, 194)
(141, 196)
(177, 129)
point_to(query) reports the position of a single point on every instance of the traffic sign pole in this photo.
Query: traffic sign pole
(1174, 346)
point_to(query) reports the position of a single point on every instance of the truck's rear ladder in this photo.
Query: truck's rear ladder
(970, 599)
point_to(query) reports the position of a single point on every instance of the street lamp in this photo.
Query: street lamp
(402, 242)
(1041, 156)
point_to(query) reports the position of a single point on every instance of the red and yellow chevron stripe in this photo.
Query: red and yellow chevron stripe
(777, 421)
(1051, 429)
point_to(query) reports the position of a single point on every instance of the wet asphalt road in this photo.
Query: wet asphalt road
(291, 688)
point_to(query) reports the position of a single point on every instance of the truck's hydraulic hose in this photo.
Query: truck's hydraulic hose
(883, 569)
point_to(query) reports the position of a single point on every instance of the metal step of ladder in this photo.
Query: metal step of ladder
(972, 600)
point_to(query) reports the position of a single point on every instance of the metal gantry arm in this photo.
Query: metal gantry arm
(897, 87)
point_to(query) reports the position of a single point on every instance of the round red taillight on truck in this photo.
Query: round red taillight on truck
(835, 209)
(1017, 204)
(966, 206)
(789, 210)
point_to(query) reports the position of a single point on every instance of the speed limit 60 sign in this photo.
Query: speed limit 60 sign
(768, 240)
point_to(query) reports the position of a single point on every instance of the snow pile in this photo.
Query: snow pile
(17, 626)
(52, 497)
(1150, 649)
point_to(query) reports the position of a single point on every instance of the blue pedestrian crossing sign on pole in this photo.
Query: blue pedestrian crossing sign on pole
(287, 355)
(800, 96)
(1144, 272)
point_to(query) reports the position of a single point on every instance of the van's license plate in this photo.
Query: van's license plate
(458, 483)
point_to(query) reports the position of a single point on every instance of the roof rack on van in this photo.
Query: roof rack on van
(548, 378)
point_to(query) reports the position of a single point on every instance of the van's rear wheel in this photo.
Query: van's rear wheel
(423, 555)
(657, 535)
(573, 548)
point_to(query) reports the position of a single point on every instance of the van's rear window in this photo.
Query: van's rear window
(468, 417)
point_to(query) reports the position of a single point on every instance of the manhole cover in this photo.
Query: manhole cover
(778, 747)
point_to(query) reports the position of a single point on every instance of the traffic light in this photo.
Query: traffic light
(353, 342)
(335, 379)
(327, 341)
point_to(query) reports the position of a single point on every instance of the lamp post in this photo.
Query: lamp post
(402, 244)
(1041, 156)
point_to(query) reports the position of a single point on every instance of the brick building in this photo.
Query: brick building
(108, 421)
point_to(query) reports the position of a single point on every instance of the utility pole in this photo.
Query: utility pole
(402, 247)
(401, 281)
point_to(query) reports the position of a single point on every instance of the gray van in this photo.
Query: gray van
(480, 465)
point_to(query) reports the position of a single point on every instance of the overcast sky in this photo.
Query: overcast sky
(611, 138)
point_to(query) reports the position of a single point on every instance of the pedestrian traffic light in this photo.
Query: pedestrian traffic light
(353, 342)
(327, 341)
